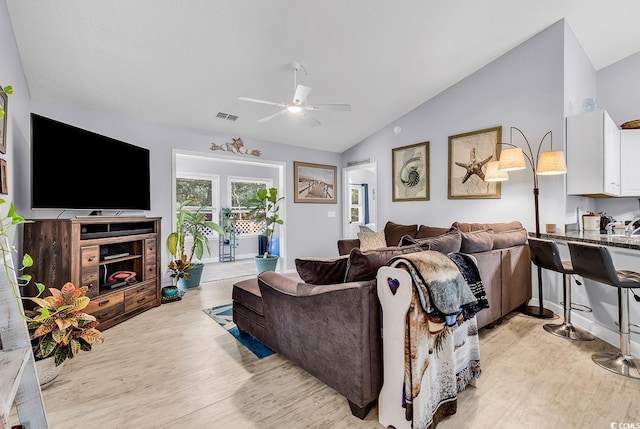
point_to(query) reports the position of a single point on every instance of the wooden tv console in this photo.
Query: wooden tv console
(86, 251)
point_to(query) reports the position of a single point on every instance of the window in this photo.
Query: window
(204, 191)
(240, 191)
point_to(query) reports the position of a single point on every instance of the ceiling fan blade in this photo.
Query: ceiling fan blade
(337, 107)
(255, 100)
(268, 118)
(311, 120)
(300, 96)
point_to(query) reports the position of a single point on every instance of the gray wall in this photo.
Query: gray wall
(523, 88)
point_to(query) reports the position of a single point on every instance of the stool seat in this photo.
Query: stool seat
(594, 262)
(546, 254)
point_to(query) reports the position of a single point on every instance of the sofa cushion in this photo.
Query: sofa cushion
(363, 265)
(372, 240)
(248, 294)
(425, 231)
(445, 243)
(322, 271)
(477, 241)
(496, 227)
(393, 232)
(515, 237)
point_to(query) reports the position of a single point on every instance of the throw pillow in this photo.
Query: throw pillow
(425, 231)
(477, 241)
(363, 265)
(372, 240)
(445, 243)
(511, 238)
(322, 271)
(393, 232)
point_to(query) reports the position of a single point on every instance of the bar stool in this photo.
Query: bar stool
(594, 262)
(546, 254)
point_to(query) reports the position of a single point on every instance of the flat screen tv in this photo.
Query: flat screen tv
(76, 169)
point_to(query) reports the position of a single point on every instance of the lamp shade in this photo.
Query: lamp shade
(493, 174)
(512, 159)
(551, 163)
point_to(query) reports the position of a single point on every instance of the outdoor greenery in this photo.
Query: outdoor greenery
(198, 191)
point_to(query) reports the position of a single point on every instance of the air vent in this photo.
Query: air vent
(226, 116)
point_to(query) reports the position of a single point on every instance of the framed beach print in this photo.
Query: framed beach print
(469, 154)
(314, 183)
(410, 172)
(3, 123)
(4, 175)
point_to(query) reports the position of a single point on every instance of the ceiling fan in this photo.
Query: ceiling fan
(298, 105)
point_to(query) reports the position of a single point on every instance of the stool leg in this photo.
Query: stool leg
(566, 329)
(621, 363)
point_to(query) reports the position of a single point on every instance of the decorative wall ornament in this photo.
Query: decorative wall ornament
(469, 154)
(237, 146)
(410, 172)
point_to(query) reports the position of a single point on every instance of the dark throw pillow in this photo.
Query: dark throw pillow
(364, 265)
(445, 243)
(322, 271)
(425, 231)
(393, 232)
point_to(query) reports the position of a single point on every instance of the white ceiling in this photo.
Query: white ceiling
(182, 62)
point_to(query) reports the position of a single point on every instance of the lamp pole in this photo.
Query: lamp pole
(530, 310)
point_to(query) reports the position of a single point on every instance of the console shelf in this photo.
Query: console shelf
(87, 251)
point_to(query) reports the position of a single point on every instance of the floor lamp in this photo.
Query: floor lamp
(545, 163)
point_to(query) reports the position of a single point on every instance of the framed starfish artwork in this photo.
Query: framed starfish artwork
(469, 154)
(410, 172)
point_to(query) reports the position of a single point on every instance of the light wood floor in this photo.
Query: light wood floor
(173, 367)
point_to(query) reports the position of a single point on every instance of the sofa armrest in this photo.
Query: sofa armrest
(345, 245)
(332, 331)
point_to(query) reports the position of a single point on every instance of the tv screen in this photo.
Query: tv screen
(76, 169)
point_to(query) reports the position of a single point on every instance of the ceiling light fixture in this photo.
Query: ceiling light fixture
(293, 108)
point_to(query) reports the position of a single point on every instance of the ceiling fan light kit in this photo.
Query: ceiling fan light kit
(298, 106)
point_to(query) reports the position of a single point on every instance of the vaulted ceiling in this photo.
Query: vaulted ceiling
(181, 63)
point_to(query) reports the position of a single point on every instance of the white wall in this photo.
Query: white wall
(523, 88)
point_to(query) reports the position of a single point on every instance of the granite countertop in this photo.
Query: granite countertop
(616, 240)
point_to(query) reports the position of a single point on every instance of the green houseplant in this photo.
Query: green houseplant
(58, 325)
(265, 206)
(192, 225)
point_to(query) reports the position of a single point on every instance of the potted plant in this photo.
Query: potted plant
(59, 329)
(189, 225)
(265, 207)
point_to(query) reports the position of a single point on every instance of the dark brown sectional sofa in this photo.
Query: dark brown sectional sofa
(329, 323)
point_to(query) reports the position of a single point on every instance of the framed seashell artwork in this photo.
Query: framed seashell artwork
(410, 172)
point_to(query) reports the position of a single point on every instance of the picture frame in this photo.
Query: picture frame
(468, 155)
(410, 172)
(4, 177)
(3, 123)
(314, 183)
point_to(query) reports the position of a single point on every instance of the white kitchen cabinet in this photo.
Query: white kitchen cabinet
(593, 155)
(629, 167)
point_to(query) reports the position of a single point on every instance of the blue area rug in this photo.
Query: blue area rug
(223, 314)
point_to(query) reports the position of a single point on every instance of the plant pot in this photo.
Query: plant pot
(47, 371)
(195, 274)
(266, 264)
